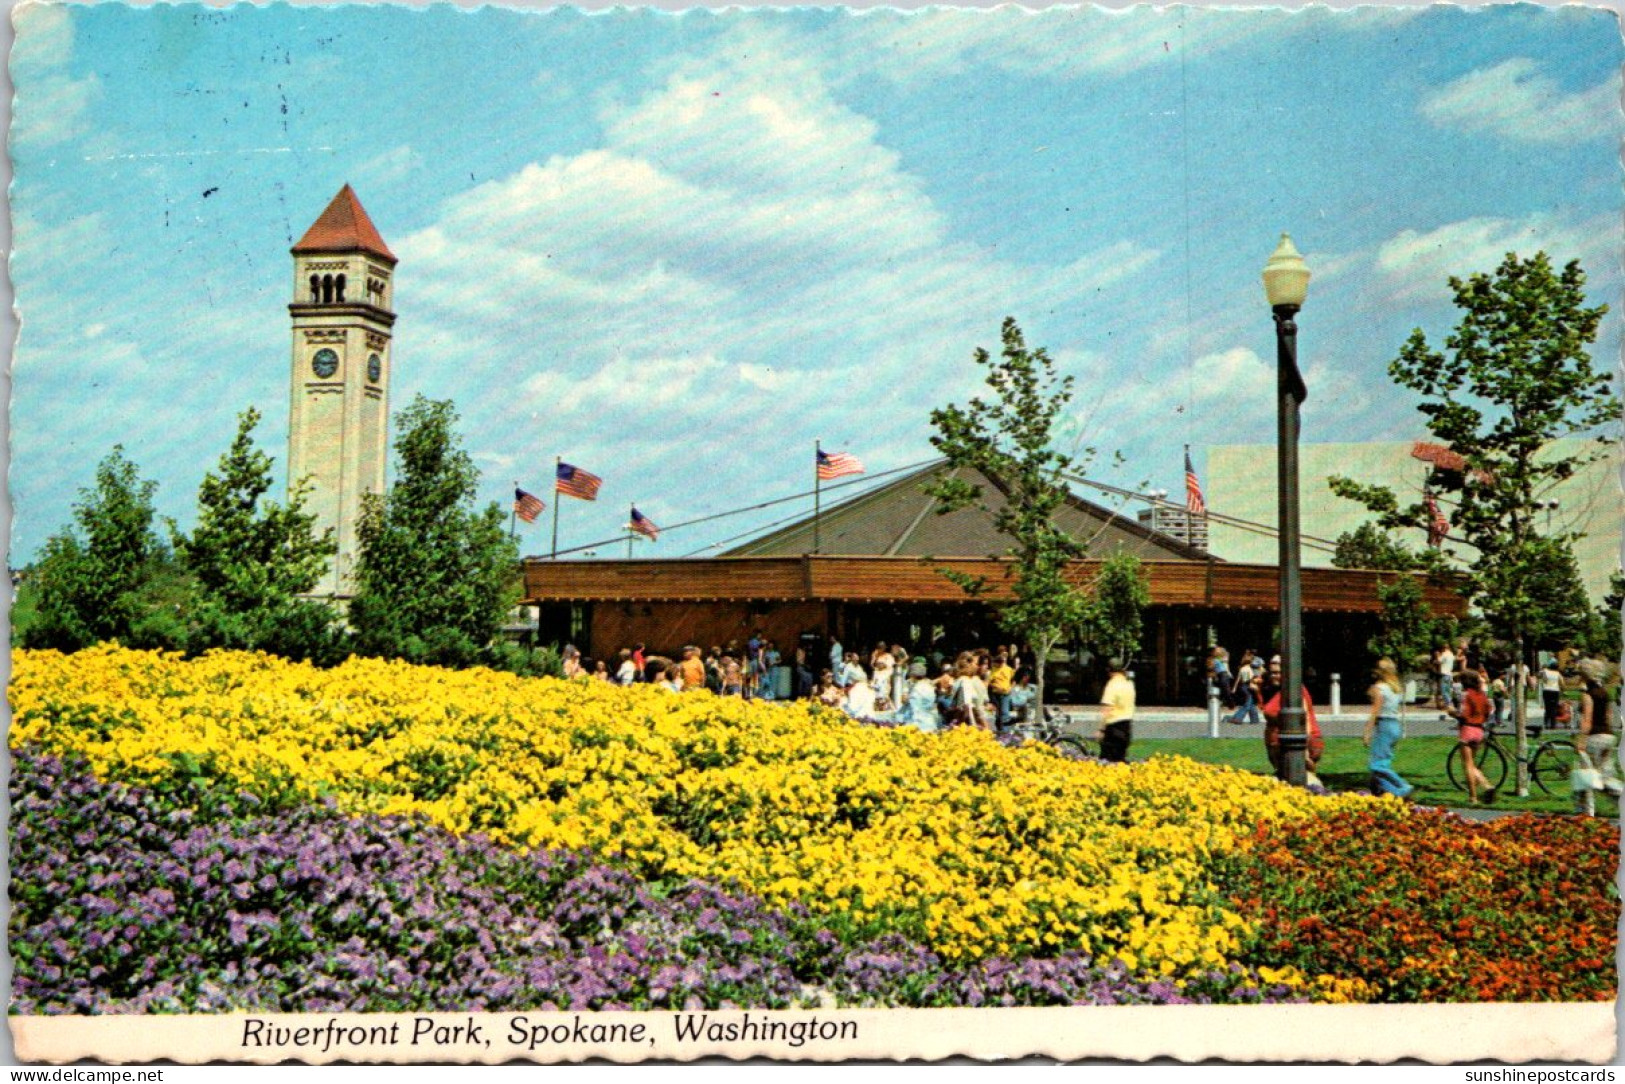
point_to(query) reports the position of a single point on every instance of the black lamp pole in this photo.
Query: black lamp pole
(1286, 281)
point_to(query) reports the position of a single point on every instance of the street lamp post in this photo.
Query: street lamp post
(1286, 283)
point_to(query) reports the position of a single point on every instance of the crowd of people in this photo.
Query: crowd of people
(1462, 688)
(992, 689)
(987, 688)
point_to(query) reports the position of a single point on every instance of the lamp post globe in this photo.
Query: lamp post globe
(1286, 284)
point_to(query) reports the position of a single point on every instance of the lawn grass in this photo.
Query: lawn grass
(1420, 760)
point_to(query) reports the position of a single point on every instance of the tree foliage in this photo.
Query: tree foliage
(108, 576)
(1370, 546)
(1409, 630)
(435, 577)
(1606, 620)
(1515, 376)
(1114, 620)
(251, 560)
(1007, 437)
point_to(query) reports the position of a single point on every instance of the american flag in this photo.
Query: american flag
(1438, 525)
(833, 466)
(527, 506)
(643, 525)
(577, 483)
(1193, 489)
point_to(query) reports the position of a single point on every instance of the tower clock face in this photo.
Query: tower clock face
(375, 368)
(325, 363)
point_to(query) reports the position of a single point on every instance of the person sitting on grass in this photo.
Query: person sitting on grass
(1316, 746)
(1471, 717)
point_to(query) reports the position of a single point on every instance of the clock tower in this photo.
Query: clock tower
(338, 425)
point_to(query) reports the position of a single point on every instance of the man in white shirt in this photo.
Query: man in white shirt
(1447, 677)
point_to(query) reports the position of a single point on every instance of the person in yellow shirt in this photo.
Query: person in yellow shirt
(1116, 714)
(999, 680)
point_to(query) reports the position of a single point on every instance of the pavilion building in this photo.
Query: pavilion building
(871, 569)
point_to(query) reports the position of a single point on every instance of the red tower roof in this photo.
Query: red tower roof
(344, 227)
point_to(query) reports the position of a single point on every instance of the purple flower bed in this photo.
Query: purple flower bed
(127, 900)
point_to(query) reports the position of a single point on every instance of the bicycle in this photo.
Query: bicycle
(1549, 765)
(1052, 732)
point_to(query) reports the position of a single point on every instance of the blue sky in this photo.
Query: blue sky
(677, 249)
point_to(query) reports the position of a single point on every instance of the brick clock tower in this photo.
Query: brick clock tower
(338, 425)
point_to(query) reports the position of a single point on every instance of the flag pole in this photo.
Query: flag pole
(556, 461)
(513, 517)
(817, 494)
(629, 534)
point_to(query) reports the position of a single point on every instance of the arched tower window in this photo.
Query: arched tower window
(327, 289)
(315, 288)
(338, 289)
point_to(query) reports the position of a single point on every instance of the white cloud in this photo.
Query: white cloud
(1060, 42)
(1417, 264)
(50, 103)
(741, 242)
(391, 167)
(1517, 101)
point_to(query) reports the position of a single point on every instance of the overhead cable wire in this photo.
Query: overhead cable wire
(803, 495)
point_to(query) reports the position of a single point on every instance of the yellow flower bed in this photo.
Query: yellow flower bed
(976, 848)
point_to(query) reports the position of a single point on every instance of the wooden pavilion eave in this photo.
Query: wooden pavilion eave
(1211, 584)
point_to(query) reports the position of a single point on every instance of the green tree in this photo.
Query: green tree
(1114, 622)
(435, 577)
(1605, 637)
(251, 559)
(1514, 376)
(1410, 630)
(1007, 437)
(111, 578)
(1369, 546)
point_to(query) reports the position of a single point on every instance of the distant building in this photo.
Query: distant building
(1177, 523)
(1241, 485)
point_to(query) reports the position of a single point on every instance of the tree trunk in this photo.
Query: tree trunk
(1041, 649)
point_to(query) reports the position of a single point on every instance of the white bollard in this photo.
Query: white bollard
(1212, 710)
(1337, 694)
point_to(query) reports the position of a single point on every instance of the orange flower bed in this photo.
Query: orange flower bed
(1435, 908)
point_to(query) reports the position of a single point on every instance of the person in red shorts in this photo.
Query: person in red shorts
(1471, 717)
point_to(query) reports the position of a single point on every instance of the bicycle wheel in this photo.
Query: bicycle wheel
(1549, 768)
(1071, 743)
(1491, 761)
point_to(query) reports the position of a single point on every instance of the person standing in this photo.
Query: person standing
(804, 674)
(1447, 679)
(919, 705)
(999, 680)
(1471, 718)
(692, 669)
(1383, 731)
(1551, 692)
(1599, 742)
(627, 672)
(1246, 692)
(1116, 714)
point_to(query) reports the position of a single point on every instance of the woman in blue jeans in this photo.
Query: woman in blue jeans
(1382, 731)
